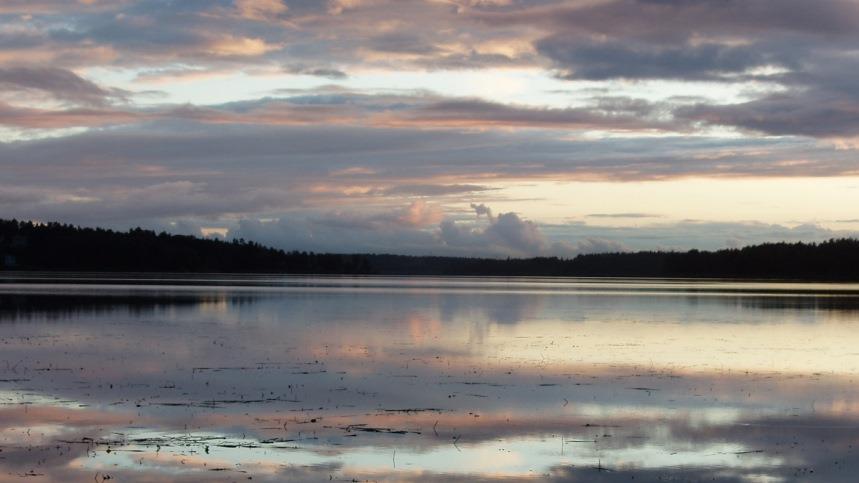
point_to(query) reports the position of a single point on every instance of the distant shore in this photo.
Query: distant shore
(25, 246)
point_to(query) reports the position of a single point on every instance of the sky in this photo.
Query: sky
(445, 127)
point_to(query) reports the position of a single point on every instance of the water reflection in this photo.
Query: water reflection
(306, 379)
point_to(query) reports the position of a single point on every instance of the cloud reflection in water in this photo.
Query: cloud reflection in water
(459, 380)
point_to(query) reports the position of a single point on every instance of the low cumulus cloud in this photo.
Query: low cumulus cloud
(419, 229)
(507, 231)
(508, 234)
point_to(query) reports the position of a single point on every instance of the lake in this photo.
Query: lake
(233, 378)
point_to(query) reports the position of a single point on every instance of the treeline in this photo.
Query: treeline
(829, 260)
(836, 259)
(59, 247)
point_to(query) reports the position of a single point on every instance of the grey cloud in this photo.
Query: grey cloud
(632, 39)
(56, 6)
(326, 72)
(430, 109)
(608, 114)
(382, 109)
(31, 118)
(580, 59)
(150, 33)
(419, 214)
(16, 196)
(402, 42)
(262, 155)
(505, 230)
(320, 234)
(412, 231)
(508, 233)
(505, 235)
(727, 41)
(669, 21)
(148, 204)
(430, 189)
(482, 209)
(258, 170)
(510, 230)
(59, 83)
(436, 35)
(814, 111)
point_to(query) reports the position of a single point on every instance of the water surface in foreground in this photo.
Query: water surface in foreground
(223, 378)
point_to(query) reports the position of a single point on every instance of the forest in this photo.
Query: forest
(61, 247)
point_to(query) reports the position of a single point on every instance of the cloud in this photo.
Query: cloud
(508, 229)
(61, 84)
(32, 118)
(25, 7)
(303, 152)
(482, 209)
(420, 213)
(733, 42)
(425, 109)
(153, 204)
(434, 190)
(818, 106)
(510, 234)
(620, 60)
(417, 215)
(622, 215)
(483, 114)
(382, 33)
(803, 52)
(260, 9)
(265, 171)
(11, 196)
(507, 232)
(326, 72)
(420, 110)
(230, 45)
(337, 233)
(418, 229)
(667, 21)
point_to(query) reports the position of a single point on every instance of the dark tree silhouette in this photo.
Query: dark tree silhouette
(54, 246)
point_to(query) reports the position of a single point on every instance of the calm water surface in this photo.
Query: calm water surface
(231, 378)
